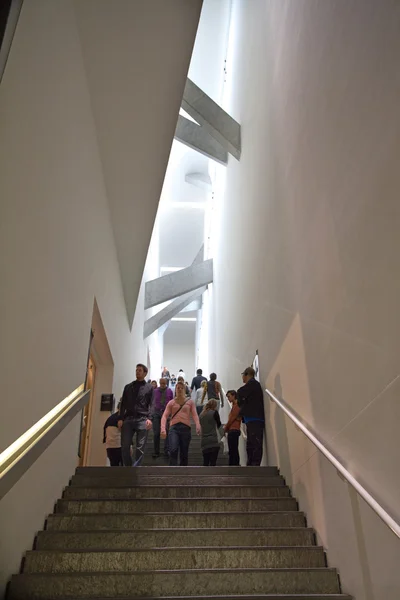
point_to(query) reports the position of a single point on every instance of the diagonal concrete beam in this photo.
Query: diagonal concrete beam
(199, 139)
(170, 311)
(172, 285)
(200, 180)
(221, 126)
(162, 319)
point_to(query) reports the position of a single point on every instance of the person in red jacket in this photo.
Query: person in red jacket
(232, 428)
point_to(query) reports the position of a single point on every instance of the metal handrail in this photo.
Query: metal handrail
(365, 495)
(21, 454)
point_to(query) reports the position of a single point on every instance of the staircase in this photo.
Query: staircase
(176, 532)
(195, 454)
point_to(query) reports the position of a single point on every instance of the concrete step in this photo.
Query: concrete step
(130, 478)
(160, 470)
(235, 597)
(189, 520)
(176, 492)
(47, 586)
(195, 446)
(177, 505)
(59, 561)
(192, 462)
(163, 538)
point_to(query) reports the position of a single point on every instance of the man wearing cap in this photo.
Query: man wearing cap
(251, 402)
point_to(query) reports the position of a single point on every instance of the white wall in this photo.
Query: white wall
(309, 271)
(207, 64)
(178, 357)
(179, 348)
(57, 255)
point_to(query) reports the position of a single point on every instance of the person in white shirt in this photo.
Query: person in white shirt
(182, 374)
(200, 401)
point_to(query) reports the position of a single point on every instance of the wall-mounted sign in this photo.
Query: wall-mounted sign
(256, 366)
(107, 402)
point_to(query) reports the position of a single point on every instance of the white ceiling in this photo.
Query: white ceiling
(136, 55)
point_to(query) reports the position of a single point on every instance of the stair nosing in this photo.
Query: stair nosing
(192, 498)
(273, 596)
(194, 529)
(253, 512)
(166, 571)
(181, 485)
(168, 548)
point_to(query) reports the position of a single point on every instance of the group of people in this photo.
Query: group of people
(169, 412)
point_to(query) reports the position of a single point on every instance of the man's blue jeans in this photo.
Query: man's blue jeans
(129, 428)
(179, 439)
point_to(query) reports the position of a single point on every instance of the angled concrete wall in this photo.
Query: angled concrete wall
(57, 243)
(311, 279)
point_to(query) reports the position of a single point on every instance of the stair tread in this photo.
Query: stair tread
(182, 529)
(177, 548)
(258, 597)
(171, 559)
(179, 485)
(180, 571)
(254, 512)
(234, 597)
(192, 499)
(239, 581)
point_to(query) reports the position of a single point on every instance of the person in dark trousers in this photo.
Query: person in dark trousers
(179, 410)
(135, 411)
(112, 439)
(162, 395)
(196, 381)
(210, 427)
(232, 428)
(251, 403)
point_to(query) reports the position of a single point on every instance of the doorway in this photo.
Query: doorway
(99, 379)
(87, 411)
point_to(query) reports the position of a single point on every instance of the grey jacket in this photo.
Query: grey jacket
(210, 425)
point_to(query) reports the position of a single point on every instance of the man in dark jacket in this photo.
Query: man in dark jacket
(135, 412)
(196, 381)
(161, 396)
(251, 402)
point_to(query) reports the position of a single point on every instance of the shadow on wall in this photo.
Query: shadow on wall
(282, 441)
(361, 544)
(344, 523)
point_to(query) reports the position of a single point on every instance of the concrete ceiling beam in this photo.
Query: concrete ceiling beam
(199, 139)
(200, 180)
(221, 126)
(172, 285)
(166, 314)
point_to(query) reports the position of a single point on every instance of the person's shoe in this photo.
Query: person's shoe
(155, 455)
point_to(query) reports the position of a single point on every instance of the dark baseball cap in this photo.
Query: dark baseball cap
(249, 371)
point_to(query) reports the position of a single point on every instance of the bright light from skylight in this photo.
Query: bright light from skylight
(191, 319)
(185, 114)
